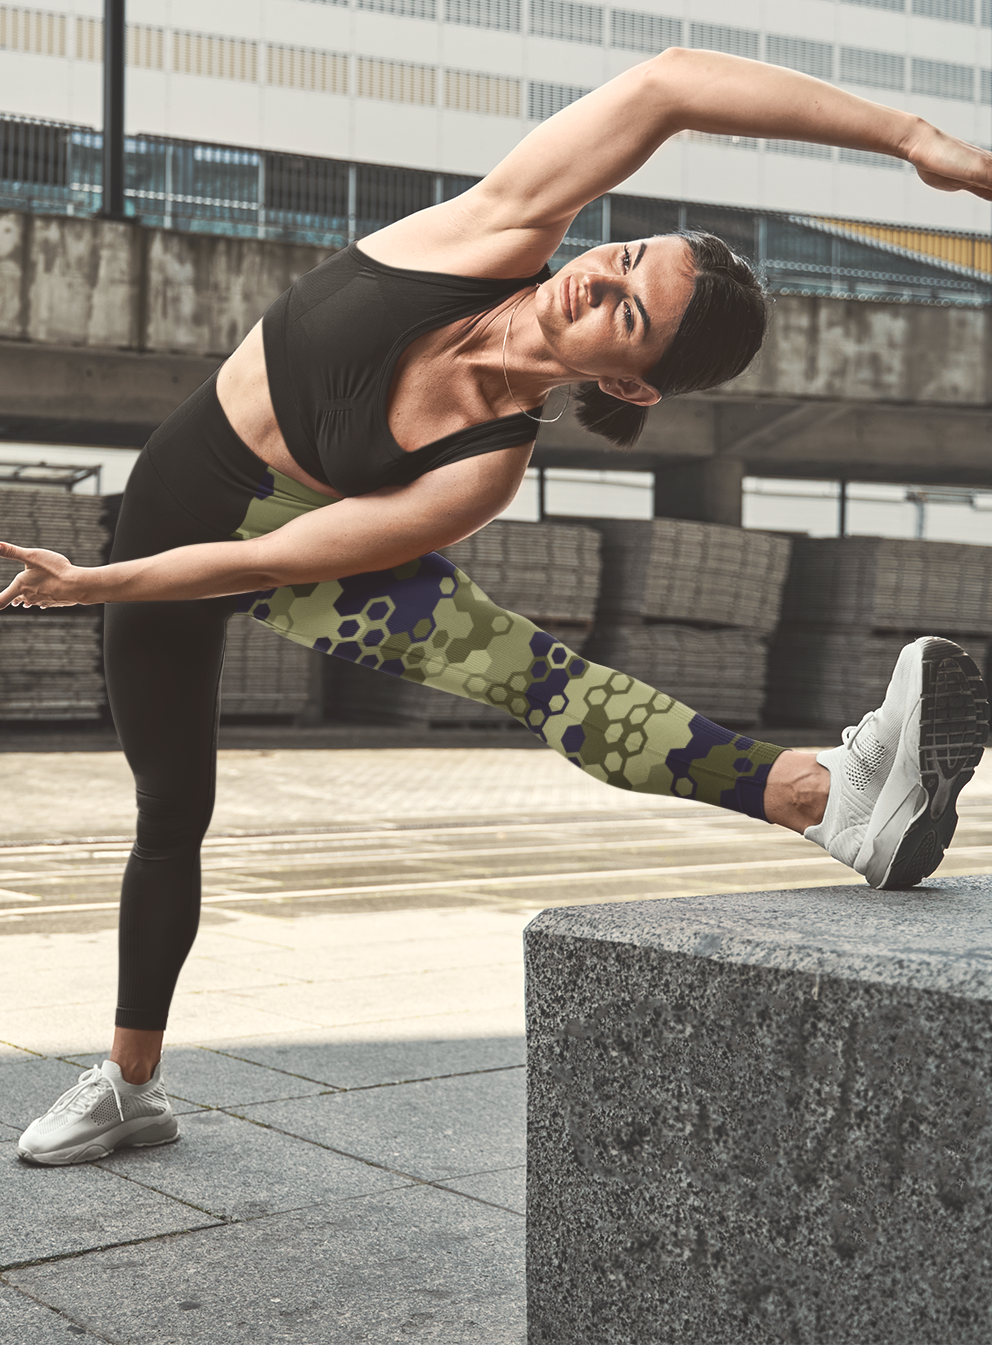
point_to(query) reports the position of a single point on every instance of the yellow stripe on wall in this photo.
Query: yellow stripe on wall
(974, 254)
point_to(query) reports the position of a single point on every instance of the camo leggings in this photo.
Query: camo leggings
(425, 621)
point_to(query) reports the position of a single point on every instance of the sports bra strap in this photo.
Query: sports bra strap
(506, 432)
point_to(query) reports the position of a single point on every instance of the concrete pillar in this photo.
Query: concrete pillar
(762, 1117)
(708, 490)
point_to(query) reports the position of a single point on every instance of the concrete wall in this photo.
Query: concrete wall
(86, 282)
(99, 284)
(105, 328)
(839, 348)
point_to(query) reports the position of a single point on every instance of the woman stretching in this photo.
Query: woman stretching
(385, 407)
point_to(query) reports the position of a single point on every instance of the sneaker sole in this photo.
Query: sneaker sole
(954, 728)
(148, 1138)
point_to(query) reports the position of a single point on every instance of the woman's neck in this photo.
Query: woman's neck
(508, 353)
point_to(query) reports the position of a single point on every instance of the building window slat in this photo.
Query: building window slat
(397, 81)
(503, 15)
(489, 95)
(734, 41)
(632, 30)
(544, 100)
(796, 53)
(567, 21)
(874, 69)
(942, 79)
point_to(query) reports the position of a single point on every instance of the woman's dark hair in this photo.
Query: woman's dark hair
(720, 333)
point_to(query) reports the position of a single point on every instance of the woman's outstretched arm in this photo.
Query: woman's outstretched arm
(514, 218)
(352, 536)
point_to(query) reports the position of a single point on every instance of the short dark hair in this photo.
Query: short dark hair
(721, 331)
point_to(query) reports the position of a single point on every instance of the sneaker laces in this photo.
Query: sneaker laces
(850, 734)
(75, 1100)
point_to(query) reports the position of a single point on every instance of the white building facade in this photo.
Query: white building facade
(449, 86)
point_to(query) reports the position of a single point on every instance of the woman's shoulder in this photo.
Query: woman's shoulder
(452, 239)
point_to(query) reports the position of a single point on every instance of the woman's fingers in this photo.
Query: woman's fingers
(12, 552)
(11, 595)
(47, 580)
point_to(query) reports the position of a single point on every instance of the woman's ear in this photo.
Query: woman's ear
(633, 390)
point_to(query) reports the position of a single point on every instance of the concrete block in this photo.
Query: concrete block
(417, 1264)
(764, 1116)
(436, 1130)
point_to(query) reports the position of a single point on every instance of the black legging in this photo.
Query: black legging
(163, 665)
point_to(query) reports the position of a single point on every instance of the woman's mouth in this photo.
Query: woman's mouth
(565, 295)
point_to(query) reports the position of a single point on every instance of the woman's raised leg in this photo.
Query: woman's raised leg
(428, 622)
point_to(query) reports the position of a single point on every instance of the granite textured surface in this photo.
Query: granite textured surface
(762, 1117)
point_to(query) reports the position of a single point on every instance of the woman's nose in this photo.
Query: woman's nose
(594, 285)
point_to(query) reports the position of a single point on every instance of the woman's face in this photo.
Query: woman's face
(610, 313)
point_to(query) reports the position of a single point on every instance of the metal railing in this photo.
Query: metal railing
(50, 167)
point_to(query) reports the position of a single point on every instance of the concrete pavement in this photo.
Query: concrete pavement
(346, 1048)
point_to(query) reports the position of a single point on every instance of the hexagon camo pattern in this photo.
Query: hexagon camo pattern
(428, 622)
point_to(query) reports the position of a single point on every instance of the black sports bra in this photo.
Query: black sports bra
(331, 345)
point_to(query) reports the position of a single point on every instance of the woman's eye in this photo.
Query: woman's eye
(626, 260)
(628, 317)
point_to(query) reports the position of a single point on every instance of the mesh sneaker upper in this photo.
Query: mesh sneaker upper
(96, 1105)
(860, 767)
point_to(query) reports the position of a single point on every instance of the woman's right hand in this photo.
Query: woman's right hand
(948, 164)
(47, 580)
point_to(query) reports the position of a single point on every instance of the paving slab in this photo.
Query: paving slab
(197, 1078)
(25, 1322)
(237, 1170)
(435, 1130)
(364, 1064)
(417, 1264)
(59, 1211)
(507, 1188)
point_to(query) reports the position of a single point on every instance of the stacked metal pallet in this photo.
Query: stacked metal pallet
(264, 673)
(850, 605)
(687, 607)
(548, 572)
(51, 661)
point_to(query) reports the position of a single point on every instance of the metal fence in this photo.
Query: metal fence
(51, 167)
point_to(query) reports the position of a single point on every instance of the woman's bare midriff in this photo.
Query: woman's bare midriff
(243, 393)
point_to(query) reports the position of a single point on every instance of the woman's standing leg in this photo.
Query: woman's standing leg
(163, 663)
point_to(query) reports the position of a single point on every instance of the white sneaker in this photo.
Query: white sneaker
(99, 1114)
(895, 779)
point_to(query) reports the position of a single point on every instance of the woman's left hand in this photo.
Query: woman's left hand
(47, 580)
(948, 164)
